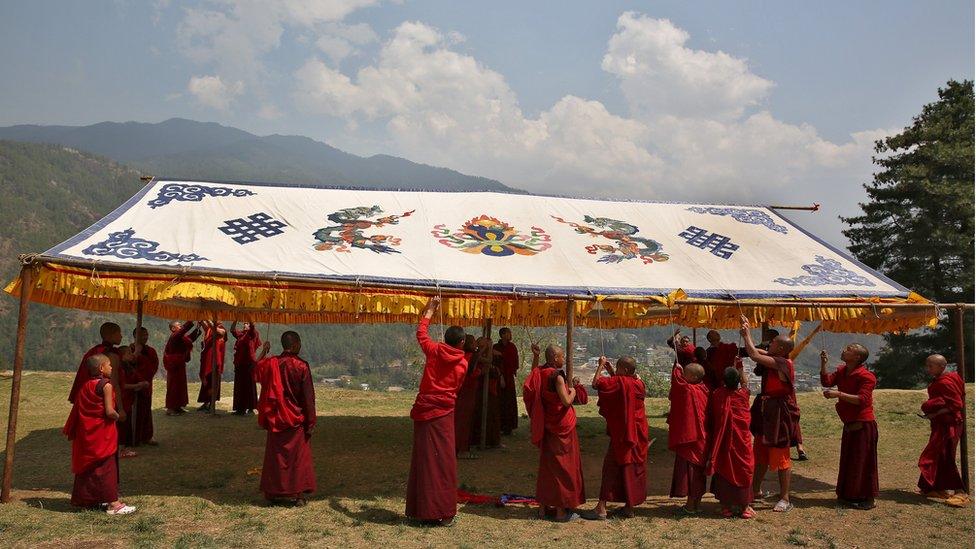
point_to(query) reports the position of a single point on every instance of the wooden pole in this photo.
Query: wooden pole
(133, 423)
(961, 370)
(214, 374)
(694, 336)
(26, 286)
(485, 332)
(570, 324)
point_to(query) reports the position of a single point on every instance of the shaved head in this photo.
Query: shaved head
(860, 351)
(94, 364)
(626, 365)
(935, 365)
(713, 336)
(555, 354)
(937, 360)
(291, 341)
(111, 332)
(781, 346)
(694, 372)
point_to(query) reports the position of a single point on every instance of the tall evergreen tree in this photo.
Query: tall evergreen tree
(917, 226)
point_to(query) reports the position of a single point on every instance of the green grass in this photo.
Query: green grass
(198, 488)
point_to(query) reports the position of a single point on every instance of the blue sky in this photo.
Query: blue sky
(750, 102)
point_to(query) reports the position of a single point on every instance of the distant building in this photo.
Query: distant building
(394, 389)
(364, 386)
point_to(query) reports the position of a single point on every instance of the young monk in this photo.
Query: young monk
(145, 366)
(773, 423)
(286, 410)
(248, 341)
(939, 476)
(213, 351)
(176, 355)
(549, 402)
(857, 476)
(111, 334)
(730, 460)
(718, 356)
(432, 484)
(94, 441)
(686, 434)
(625, 464)
(507, 361)
(683, 348)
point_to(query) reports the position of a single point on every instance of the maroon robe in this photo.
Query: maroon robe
(176, 355)
(207, 361)
(493, 425)
(938, 460)
(94, 447)
(81, 376)
(857, 476)
(774, 419)
(464, 410)
(730, 459)
(508, 364)
(245, 390)
(147, 364)
(718, 358)
(560, 478)
(287, 411)
(686, 435)
(621, 403)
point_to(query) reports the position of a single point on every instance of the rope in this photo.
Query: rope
(440, 308)
(599, 319)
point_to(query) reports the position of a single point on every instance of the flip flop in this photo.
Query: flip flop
(748, 514)
(122, 509)
(568, 518)
(591, 515)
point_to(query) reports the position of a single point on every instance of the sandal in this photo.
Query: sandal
(120, 509)
(783, 506)
(591, 515)
(748, 513)
(128, 453)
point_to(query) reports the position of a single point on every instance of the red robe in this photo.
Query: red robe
(432, 484)
(685, 353)
(553, 430)
(286, 410)
(81, 377)
(147, 364)
(493, 425)
(730, 460)
(857, 476)
(774, 413)
(176, 354)
(621, 403)
(94, 443)
(464, 410)
(245, 391)
(206, 364)
(686, 435)
(718, 358)
(508, 364)
(938, 460)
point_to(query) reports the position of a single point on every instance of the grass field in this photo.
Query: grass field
(199, 487)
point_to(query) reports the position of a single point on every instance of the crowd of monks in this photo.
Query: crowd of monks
(713, 430)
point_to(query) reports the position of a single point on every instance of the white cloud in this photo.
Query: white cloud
(211, 91)
(338, 41)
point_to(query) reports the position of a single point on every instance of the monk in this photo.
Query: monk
(488, 372)
(94, 440)
(730, 460)
(549, 402)
(286, 410)
(686, 434)
(621, 403)
(507, 361)
(214, 340)
(432, 484)
(683, 348)
(248, 341)
(145, 363)
(176, 355)
(857, 476)
(773, 422)
(718, 356)
(465, 411)
(111, 334)
(939, 475)
(768, 336)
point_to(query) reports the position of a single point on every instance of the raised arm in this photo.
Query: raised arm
(535, 355)
(827, 379)
(604, 366)
(761, 359)
(427, 345)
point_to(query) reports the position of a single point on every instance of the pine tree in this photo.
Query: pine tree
(917, 226)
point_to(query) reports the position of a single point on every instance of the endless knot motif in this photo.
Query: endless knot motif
(826, 272)
(186, 192)
(489, 236)
(742, 215)
(720, 245)
(123, 246)
(252, 228)
(626, 245)
(349, 231)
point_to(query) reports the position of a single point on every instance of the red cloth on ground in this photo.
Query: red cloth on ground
(728, 494)
(857, 477)
(443, 374)
(245, 391)
(432, 483)
(686, 419)
(688, 479)
(287, 411)
(464, 411)
(176, 355)
(718, 358)
(508, 363)
(206, 363)
(729, 441)
(860, 382)
(623, 483)
(81, 376)
(937, 463)
(93, 436)
(560, 478)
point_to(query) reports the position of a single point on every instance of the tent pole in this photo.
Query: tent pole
(485, 332)
(133, 422)
(961, 370)
(214, 374)
(694, 336)
(26, 286)
(570, 324)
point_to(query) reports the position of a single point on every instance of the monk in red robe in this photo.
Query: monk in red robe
(683, 348)
(686, 434)
(286, 410)
(488, 371)
(214, 340)
(718, 356)
(111, 334)
(549, 400)
(768, 336)
(507, 361)
(939, 475)
(730, 460)
(248, 341)
(94, 440)
(773, 419)
(857, 476)
(146, 364)
(176, 355)
(621, 403)
(432, 484)
(465, 410)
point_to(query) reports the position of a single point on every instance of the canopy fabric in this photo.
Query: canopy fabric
(297, 254)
